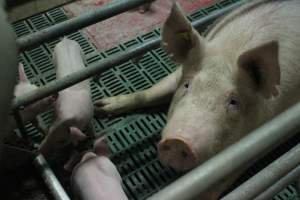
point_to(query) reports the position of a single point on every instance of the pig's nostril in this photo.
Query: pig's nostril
(184, 154)
(177, 153)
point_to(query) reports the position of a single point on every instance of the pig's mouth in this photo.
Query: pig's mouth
(177, 153)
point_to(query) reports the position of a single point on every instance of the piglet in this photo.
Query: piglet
(74, 108)
(96, 177)
(29, 113)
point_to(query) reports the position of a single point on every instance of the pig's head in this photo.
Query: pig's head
(24, 86)
(220, 97)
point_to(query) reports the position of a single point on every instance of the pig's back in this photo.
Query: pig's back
(76, 105)
(68, 59)
(258, 23)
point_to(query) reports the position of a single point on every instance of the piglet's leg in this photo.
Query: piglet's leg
(160, 93)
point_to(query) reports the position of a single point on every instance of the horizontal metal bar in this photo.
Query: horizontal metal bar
(50, 179)
(96, 68)
(81, 75)
(266, 177)
(76, 23)
(234, 158)
(280, 185)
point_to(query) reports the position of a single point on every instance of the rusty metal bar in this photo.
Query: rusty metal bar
(96, 68)
(230, 160)
(76, 23)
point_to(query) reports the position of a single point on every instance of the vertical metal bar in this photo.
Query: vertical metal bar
(266, 177)
(255, 144)
(50, 179)
(280, 185)
(20, 124)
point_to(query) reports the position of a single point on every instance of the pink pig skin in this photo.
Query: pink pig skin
(74, 106)
(31, 111)
(96, 177)
(241, 74)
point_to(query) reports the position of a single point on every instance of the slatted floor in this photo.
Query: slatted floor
(133, 137)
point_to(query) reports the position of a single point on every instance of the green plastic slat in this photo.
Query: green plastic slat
(132, 138)
(21, 28)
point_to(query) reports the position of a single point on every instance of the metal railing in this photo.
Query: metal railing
(76, 23)
(198, 180)
(96, 68)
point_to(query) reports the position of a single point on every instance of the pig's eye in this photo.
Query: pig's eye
(233, 103)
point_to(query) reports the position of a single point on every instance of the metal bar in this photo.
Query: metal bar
(50, 179)
(255, 144)
(280, 185)
(96, 68)
(266, 177)
(76, 23)
(20, 124)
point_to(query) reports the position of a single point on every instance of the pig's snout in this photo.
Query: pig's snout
(177, 153)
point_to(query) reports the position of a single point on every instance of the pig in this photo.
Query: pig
(74, 107)
(29, 113)
(96, 177)
(241, 74)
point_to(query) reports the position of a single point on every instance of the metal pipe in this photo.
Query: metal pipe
(20, 124)
(96, 68)
(50, 179)
(233, 158)
(76, 23)
(266, 177)
(280, 185)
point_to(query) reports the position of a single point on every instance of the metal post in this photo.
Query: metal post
(20, 124)
(266, 177)
(255, 144)
(50, 179)
(76, 23)
(8, 69)
(96, 68)
(280, 185)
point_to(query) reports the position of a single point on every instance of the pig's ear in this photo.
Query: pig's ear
(22, 75)
(262, 65)
(178, 35)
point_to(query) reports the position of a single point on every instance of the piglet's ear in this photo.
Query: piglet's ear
(262, 65)
(178, 36)
(22, 75)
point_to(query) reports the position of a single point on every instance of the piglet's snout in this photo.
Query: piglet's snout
(177, 153)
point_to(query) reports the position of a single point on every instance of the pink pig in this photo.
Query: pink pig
(241, 74)
(29, 113)
(74, 108)
(96, 177)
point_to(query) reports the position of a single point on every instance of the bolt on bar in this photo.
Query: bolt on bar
(255, 144)
(96, 68)
(280, 185)
(266, 177)
(50, 179)
(76, 23)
